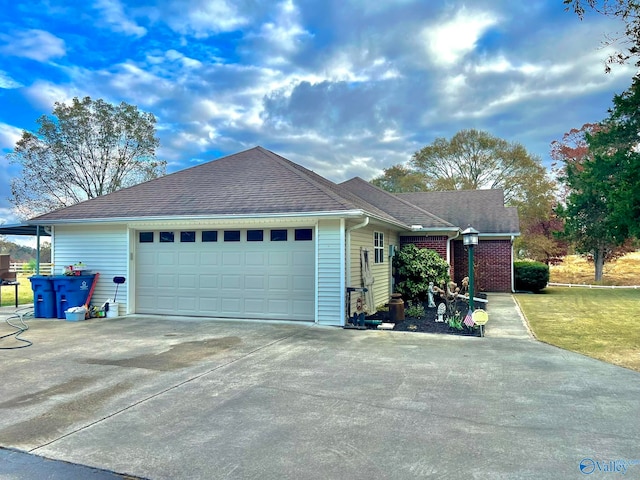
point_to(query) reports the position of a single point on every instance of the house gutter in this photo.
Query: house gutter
(177, 218)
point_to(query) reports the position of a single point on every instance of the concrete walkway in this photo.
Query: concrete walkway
(172, 398)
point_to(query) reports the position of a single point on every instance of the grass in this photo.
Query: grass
(25, 294)
(600, 323)
(576, 270)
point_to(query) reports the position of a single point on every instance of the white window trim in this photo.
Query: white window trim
(378, 248)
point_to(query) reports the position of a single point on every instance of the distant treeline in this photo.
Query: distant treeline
(23, 254)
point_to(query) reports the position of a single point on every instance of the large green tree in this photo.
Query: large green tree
(85, 149)
(474, 159)
(399, 179)
(616, 165)
(590, 224)
(628, 11)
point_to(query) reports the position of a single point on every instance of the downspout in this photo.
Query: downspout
(348, 246)
(513, 274)
(37, 249)
(449, 240)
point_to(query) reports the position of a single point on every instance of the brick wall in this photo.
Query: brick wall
(492, 260)
(439, 243)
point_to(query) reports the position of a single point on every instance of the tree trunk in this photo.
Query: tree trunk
(598, 262)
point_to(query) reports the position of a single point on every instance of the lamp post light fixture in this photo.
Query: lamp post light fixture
(470, 240)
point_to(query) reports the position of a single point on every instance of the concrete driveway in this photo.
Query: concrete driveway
(169, 398)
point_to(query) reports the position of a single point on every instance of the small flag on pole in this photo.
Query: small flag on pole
(468, 320)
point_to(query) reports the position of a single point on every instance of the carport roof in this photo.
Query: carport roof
(253, 182)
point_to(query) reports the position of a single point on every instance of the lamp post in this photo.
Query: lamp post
(470, 239)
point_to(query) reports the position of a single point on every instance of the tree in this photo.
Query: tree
(398, 179)
(625, 10)
(616, 162)
(474, 159)
(589, 224)
(84, 150)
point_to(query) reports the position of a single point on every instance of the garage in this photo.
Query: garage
(237, 273)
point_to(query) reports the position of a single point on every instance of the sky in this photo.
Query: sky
(343, 87)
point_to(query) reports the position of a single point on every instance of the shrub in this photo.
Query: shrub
(414, 310)
(415, 268)
(531, 276)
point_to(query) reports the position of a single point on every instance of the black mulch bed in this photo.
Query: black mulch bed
(428, 323)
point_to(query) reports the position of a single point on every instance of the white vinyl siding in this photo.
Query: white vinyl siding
(364, 238)
(330, 272)
(103, 249)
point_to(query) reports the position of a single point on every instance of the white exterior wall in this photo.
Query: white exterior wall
(103, 249)
(330, 272)
(363, 238)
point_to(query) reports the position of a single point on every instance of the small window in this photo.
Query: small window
(303, 234)
(255, 235)
(166, 237)
(232, 235)
(187, 237)
(210, 236)
(278, 235)
(378, 247)
(146, 237)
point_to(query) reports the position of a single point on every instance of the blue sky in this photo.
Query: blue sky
(343, 87)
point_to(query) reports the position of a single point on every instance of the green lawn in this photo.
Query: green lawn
(600, 323)
(25, 294)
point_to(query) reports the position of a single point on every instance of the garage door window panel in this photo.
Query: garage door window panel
(167, 237)
(255, 235)
(209, 236)
(187, 237)
(145, 237)
(232, 235)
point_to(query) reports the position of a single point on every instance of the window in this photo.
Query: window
(166, 237)
(278, 235)
(187, 237)
(146, 237)
(232, 235)
(255, 235)
(303, 234)
(210, 236)
(378, 247)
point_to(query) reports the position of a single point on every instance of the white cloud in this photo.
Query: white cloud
(285, 33)
(9, 135)
(449, 41)
(113, 14)
(7, 82)
(34, 44)
(203, 18)
(44, 94)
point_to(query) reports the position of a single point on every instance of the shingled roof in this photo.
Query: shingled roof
(396, 206)
(483, 209)
(256, 181)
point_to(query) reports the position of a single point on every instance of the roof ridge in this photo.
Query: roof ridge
(325, 185)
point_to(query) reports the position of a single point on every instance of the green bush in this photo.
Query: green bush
(531, 276)
(415, 268)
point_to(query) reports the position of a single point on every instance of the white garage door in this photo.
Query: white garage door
(264, 274)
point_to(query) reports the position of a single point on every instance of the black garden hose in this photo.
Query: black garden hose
(20, 329)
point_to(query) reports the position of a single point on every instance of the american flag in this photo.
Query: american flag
(468, 320)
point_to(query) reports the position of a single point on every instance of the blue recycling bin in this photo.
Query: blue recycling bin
(71, 291)
(44, 298)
